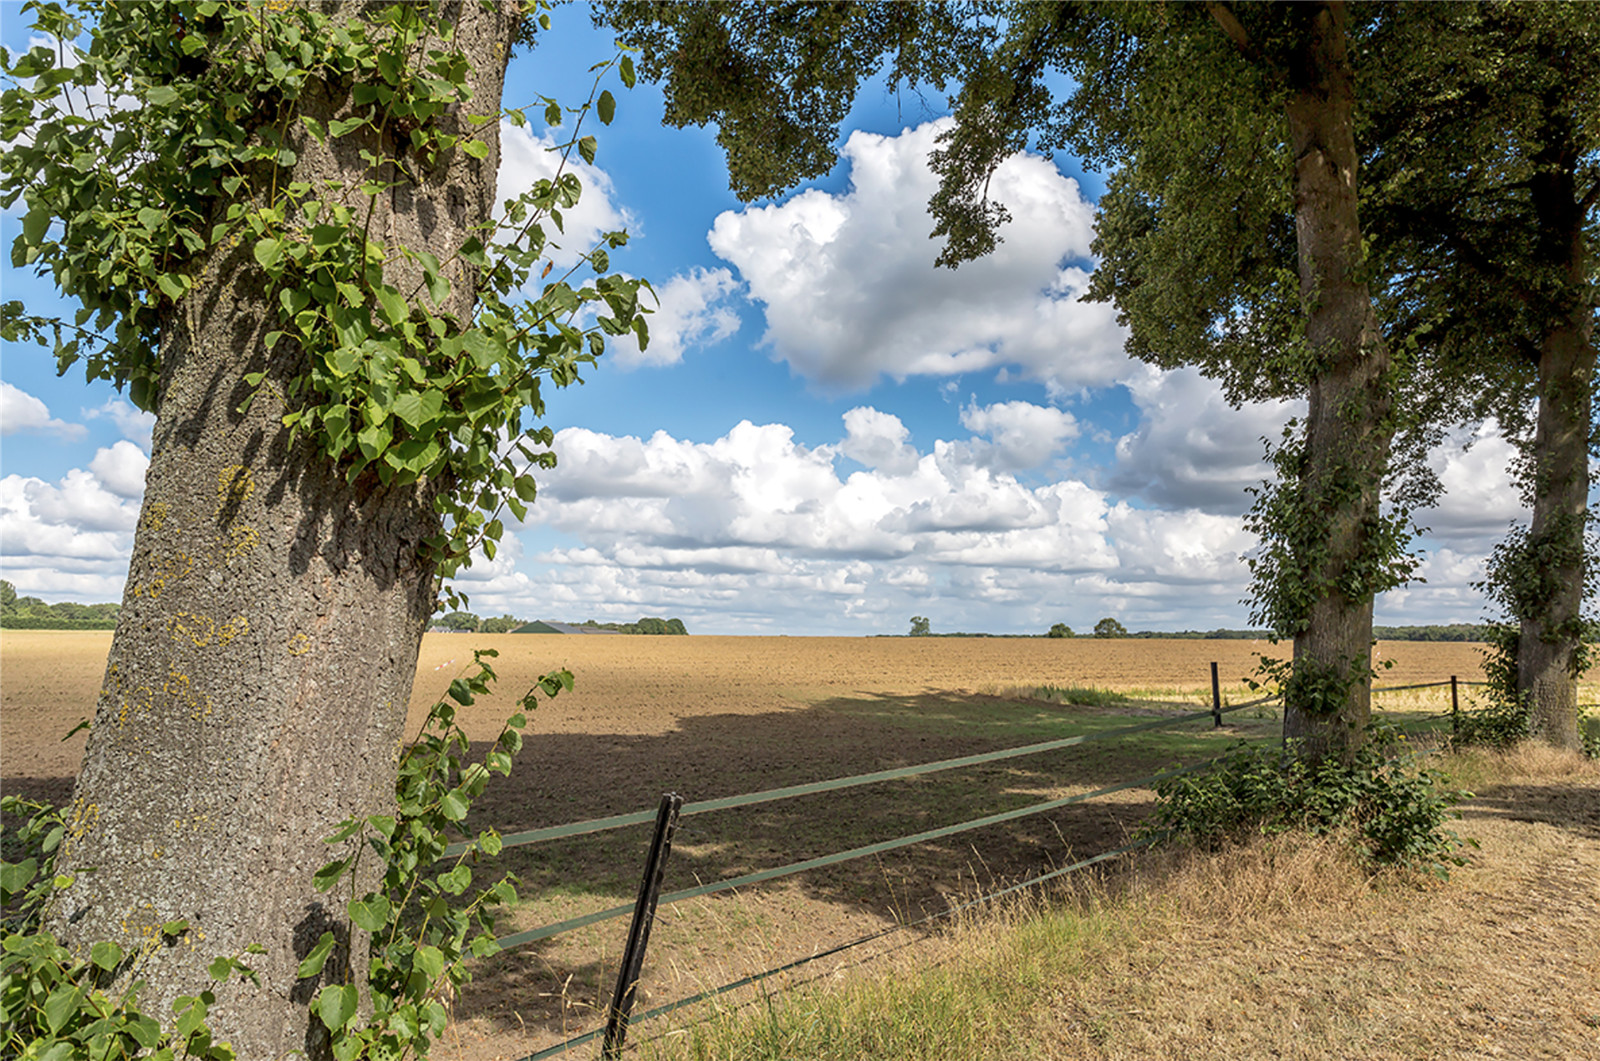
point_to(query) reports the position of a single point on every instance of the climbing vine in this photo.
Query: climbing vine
(171, 142)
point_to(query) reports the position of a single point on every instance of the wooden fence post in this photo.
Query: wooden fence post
(1216, 698)
(1455, 710)
(644, 915)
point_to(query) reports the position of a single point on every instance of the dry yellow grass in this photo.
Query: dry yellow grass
(1279, 949)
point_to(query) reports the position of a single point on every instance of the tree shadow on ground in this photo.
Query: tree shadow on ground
(1566, 807)
(569, 777)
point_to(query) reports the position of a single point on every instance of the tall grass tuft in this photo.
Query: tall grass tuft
(1081, 696)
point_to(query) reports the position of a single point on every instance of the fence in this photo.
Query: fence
(672, 808)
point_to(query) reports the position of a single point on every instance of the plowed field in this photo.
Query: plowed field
(649, 686)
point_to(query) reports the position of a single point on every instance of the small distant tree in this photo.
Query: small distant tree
(464, 622)
(8, 596)
(920, 626)
(1109, 627)
(675, 626)
(1060, 630)
(500, 624)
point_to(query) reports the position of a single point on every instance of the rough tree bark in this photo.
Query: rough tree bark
(1348, 430)
(1551, 636)
(1348, 437)
(262, 663)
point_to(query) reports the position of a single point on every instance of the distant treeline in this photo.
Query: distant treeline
(649, 624)
(507, 624)
(31, 613)
(1449, 632)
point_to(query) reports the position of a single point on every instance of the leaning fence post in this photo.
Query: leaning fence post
(1455, 710)
(644, 914)
(1216, 698)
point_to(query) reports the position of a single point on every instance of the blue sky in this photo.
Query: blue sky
(826, 435)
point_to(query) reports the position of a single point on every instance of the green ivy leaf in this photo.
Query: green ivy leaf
(336, 1004)
(329, 875)
(268, 252)
(105, 955)
(431, 961)
(392, 306)
(61, 1005)
(313, 963)
(371, 914)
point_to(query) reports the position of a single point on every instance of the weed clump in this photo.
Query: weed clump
(1081, 696)
(1395, 811)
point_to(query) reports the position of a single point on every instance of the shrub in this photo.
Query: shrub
(1396, 812)
(1499, 724)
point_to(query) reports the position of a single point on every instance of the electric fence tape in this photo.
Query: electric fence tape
(755, 978)
(517, 939)
(595, 825)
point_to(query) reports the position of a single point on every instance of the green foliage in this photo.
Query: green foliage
(422, 932)
(646, 625)
(921, 626)
(1081, 695)
(1524, 576)
(1500, 723)
(409, 363)
(1109, 627)
(1060, 630)
(460, 621)
(1320, 688)
(31, 613)
(1395, 812)
(500, 624)
(1500, 659)
(1589, 731)
(1293, 566)
(56, 1006)
(778, 79)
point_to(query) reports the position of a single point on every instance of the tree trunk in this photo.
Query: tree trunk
(1328, 701)
(259, 675)
(1550, 645)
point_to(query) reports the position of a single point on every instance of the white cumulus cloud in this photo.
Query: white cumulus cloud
(120, 469)
(21, 412)
(1191, 449)
(693, 311)
(136, 425)
(1022, 435)
(878, 440)
(851, 292)
(755, 531)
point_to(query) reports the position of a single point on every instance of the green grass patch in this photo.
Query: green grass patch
(1082, 696)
